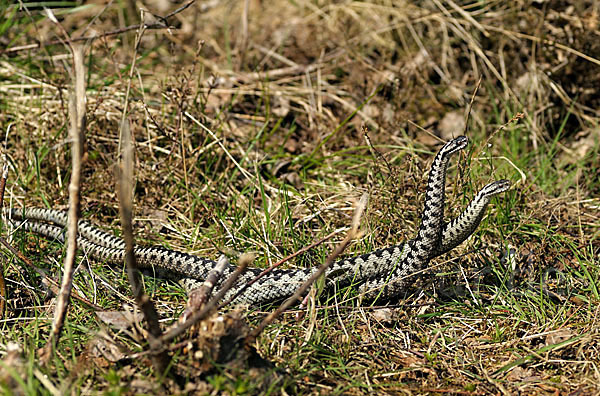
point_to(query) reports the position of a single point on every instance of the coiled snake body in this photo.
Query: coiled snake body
(382, 272)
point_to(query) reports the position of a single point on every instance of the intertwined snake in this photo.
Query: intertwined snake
(383, 272)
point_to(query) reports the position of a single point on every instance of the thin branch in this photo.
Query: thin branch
(138, 40)
(83, 38)
(200, 295)
(51, 283)
(245, 260)
(352, 233)
(2, 187)
(176, 11)
(160, 358)
(471, 105)
(76, 135)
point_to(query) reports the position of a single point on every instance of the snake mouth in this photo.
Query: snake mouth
(456, 144)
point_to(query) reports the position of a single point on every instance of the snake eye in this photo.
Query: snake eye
(496, 187)
(455, 145)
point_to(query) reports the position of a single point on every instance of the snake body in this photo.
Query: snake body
(383, 272)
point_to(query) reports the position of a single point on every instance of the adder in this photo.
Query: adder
(384, 272)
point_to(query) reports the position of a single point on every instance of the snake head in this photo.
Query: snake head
(494, 188)
(454, 145)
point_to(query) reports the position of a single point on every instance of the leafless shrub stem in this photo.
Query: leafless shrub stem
(163, 24)
(245, 260)
(160, 358)
(77, 104)
(199, 295)
(51, 283)
(2, 283)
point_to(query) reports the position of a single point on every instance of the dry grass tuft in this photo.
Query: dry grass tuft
(257, 126)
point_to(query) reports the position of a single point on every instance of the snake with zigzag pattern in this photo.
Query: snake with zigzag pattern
(383, 272)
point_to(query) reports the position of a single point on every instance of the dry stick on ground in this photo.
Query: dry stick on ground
(199, 295)
(352, 234)
(176, 330)
(76, 136)
(160, 358)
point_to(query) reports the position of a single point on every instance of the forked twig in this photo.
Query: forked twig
(175, 331)
(199, 295)
(352, 234)
(49, 282)
(159, 356)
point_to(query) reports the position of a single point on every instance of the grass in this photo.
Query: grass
(260, 147)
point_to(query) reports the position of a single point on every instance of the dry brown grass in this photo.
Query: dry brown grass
(250, 136)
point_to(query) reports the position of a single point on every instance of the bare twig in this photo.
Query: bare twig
(83, 38)
(243, 44)
(199, 295)
(175, 331)
(124, 121)
(471, 105)
(160, 358)
(2, 283)
(76, 135)
(3, 179)
(352, 234)
(462, 168)
(48, 281)
(176, 11)
(377, 155)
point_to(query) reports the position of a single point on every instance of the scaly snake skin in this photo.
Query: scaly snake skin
(382, 273)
